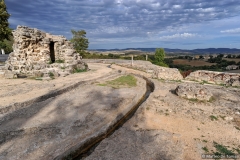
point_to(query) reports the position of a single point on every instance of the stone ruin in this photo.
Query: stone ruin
(39, 54)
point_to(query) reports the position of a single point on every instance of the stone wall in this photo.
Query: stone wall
(37, 53)
(232, 79)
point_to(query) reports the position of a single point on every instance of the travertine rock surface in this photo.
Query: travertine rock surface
(154, 71)
(193, 91)
(231, 79)
(37, 53)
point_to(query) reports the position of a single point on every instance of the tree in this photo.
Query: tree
(5, 31)
(79, 41)
(159, 57)
(7, 45)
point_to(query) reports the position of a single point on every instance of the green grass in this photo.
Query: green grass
(193, 99)
(205, 141)
(76, 70)
(205, 149)
(237, 128)
(124, 81)
(212, 117)
(223, 117)
(59, 61)
(220, 149)
(63, 67)
(51, 75)
(166, 114)
(236, 149)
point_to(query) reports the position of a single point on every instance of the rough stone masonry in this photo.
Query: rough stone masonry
(39, 54)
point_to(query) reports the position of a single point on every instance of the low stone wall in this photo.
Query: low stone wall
(116, 61)
(232, 79)
(145, 66)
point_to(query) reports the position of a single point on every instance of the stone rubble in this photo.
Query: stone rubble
(229, 79)
(39, 54)
(193, 91)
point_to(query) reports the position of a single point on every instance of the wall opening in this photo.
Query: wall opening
(52, 52)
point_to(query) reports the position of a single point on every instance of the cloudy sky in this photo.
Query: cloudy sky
(183, 24)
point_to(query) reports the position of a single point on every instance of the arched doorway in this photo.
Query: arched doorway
(52, 52)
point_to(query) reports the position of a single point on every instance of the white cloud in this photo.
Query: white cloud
(236, 30)
(178, 35)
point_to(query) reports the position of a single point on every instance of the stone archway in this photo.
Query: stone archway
(52, 51)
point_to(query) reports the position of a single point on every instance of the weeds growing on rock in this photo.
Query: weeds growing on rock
(212, 117)
(205, 141)
(76, 70)
(212, 99)
(123, 81)
(237, 128)
(51, 75)
(205, 149)
(59, 61)
(220, 149)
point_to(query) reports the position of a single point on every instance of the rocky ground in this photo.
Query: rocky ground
(165, 126)
(169, 127)
(58, 125)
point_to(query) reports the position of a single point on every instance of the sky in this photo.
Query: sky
(111, 24)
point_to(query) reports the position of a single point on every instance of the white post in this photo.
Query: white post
(132, 60)
(146, 57)
(2, 51)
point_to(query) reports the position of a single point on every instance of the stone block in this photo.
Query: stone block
(10, 75)
(193, 91)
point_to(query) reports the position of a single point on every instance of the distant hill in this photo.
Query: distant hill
(194, 51)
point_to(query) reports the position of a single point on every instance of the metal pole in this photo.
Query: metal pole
(132, 60)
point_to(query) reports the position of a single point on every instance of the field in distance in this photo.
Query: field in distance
(192, 62)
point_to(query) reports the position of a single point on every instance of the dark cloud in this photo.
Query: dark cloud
(121, 18)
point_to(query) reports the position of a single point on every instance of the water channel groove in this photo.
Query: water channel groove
(86, 149)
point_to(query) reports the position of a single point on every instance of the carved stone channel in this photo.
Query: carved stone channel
(86, 149)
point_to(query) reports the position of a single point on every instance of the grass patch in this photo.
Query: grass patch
(212, 117)
(205, 141)
(59, 61)
(220, 149)
(236, 149)
(223, 117)
(205, 149)
(123, 81)
(166, 114)
(51, 75)
(76, 70)
(193, 99)
(205, 82)
(237, 128)
(212, 99)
